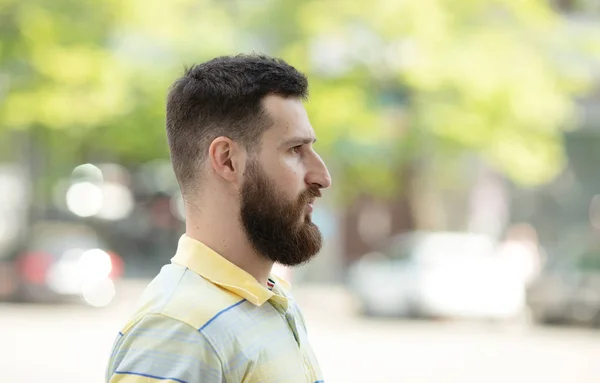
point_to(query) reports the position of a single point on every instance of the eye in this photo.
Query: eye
(296, 149)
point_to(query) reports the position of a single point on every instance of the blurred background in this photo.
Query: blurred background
(463, 229)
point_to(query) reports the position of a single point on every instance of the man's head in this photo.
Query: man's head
(237, 129)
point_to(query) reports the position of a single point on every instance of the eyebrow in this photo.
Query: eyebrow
(296, 141)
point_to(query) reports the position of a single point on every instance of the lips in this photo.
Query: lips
(309, 198)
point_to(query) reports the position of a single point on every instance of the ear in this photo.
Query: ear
(227, 158)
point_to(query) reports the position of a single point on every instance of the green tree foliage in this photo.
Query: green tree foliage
(399, 80)
(56, 64)
(391, 81)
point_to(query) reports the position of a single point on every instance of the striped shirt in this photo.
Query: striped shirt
(203, 319)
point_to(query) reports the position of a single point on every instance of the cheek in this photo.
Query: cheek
(291, 179)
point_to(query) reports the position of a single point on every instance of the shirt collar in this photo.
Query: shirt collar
(206, 262)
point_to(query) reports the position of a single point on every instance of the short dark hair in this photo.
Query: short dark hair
(223, 97)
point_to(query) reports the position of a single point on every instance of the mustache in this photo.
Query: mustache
(310, 194)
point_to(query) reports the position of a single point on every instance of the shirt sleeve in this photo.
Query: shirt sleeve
(162, 349)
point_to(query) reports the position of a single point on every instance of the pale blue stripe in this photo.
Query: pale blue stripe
(221, 313)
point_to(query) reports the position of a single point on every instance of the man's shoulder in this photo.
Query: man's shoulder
(182, 295)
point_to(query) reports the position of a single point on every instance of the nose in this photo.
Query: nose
(318, 174)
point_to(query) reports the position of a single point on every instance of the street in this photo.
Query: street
(68, 344)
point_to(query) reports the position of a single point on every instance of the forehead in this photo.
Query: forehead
(289, 119)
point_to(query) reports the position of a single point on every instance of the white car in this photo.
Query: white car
(440, 274)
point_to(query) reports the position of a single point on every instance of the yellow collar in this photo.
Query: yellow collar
(206, 262)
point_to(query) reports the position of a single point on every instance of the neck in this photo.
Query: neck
(221, 231)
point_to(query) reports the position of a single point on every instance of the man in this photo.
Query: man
(242, 150)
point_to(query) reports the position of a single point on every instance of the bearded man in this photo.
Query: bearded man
(241, 146)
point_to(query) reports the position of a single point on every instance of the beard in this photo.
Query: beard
(278, 229)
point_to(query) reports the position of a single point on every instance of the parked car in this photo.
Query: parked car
(62, 261)
(568, 291)
(438, 274)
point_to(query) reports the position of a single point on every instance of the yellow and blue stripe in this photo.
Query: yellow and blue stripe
(203, 319)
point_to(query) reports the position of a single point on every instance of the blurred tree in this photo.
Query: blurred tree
(495, 76)
(57, 68)
(86, 80)
(401, 90)
(404, 93)
(58, 79)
